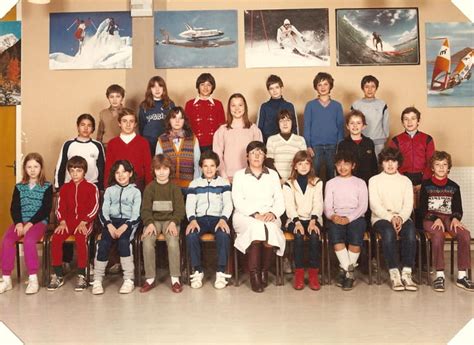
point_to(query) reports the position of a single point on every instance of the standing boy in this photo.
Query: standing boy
(108, 127)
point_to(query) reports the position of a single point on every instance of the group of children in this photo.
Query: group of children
(177, 173)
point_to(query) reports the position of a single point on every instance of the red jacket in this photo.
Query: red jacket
(136, 152)
(205, 117)
(416, 152)
(77, 203)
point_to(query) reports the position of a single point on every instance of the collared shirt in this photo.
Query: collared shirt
(264, 171)
(198, 98)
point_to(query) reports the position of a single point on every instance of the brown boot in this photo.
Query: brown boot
(266, 262)
(314, 279)
(253, 257)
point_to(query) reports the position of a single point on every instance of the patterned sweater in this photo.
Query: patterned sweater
(440, 198)
(31, 204)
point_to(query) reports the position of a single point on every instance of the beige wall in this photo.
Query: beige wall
(53, 99)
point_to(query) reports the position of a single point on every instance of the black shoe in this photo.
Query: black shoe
(438, 284)
(340, 278)
(465, 284)
(348, 283)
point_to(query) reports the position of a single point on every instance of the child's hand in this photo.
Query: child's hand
(19, 229)
(111, 230)
(27, 227)
(223, 226)
(310, 152)
(172, 229)
(149, 230)
(456, 225)
(298, 228)
(81, 228)
(62, 228)
(343, 220)
(192, 226)
(313, 227)
(397, 223)
(438, 225)
(120, 230)
(268, 217)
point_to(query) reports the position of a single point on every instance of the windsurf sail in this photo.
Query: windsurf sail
(442, 67)
(461, 72)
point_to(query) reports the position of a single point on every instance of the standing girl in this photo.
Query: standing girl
(181, 146)
(232, 138)
(153, 111)
(120, 217)
(303, 194)
(30, 208)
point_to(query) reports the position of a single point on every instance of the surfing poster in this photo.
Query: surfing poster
(196, 39)
(377, 36)
(10, 63)
(449, 60)
(90, 40)
(286, 38)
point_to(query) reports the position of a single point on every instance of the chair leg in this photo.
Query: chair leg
(452, 257)
(369, 259)
(236, 266)
(428, 262)
(322, 263)
(419, 260)
(377, 254)
(188, 268)
(18, 268)
(139, 262)
(328, 261)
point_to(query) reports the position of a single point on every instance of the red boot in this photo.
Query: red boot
(298, 279)
(313, 279)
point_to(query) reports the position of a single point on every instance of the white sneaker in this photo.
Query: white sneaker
(221, 281)
(408, 281)
(4, 286)
(196, 279)
(33, 287)
(97, 288)
(127, 286)
(396, 280)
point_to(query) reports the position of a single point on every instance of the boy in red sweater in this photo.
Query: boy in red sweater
(129, 146)
(205, 113)
(78, 204)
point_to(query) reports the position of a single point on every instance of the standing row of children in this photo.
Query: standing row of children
(166, 130)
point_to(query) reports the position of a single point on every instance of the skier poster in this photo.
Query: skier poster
(449, 60)
(90, 40)
(377, 36)
(10, 63)
(286, 38)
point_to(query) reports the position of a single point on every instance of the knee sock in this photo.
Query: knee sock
(128, 267)
(439, 274)
(461, 274)
(353, 257)
(174, 280)
(81, 272)
(99, 269)
(58, 270)
(7, 279)
(343, 257)
(150, 281)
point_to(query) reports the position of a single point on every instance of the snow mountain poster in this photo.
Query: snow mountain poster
(286, 38)
(90, 40)
(10, 63)
(377, 36)
(194, 39)
(449, 60)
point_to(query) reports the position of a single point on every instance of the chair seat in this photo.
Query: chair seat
(20, 240)
(161, 237)
(208, 237)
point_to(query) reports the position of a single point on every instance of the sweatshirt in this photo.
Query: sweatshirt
(162, 202)
(377, 118)
(346, 197)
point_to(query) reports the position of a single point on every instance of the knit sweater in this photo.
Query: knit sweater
(390, 195)
(121, 202)
(304, 206)
(345, 197)
(267, 117)
(209, 198)
(205, 117)
(438, 199)
(282, 151)
(323, 125)
(162, 202)
(108, 127)
(377, 118)
(230, 145)
(364, 151)
(31, 204)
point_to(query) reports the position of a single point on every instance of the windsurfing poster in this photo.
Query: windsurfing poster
(195, 39)
(286, 38)
(10, 63)
(90, 40)
(449, 60)
(377, 36)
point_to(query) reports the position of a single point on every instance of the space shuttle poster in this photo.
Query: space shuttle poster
(196, 39)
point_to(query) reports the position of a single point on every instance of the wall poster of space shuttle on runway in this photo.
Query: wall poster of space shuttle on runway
(193, 39)
(449, 59)
(90, 40)
(286, 38)
(377, 36)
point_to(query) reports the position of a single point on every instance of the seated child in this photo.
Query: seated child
(345, 203)
(162, 212)
(78, 204)
(391, 203)
(208, 208)
(441, 207)
(120, 216)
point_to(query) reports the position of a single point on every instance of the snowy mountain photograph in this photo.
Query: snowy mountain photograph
(90, 40)
(10, 63)
(377, 36)
(286, 38)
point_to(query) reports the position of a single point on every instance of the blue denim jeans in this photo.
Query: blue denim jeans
(314, 246)
(123, 242)
(352, 233)
(389, 243)
(193, 243)
(324, 154)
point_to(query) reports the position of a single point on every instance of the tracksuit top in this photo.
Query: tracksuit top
(121, 202)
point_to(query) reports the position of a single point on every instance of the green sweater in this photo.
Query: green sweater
(162, 202)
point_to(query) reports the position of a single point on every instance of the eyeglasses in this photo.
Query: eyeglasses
(256, 152)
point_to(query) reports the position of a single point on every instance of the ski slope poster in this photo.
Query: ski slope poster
(449, 60)
(286, 38)
(90, 40)
(196, 39)
(377, 36)
(10, 63)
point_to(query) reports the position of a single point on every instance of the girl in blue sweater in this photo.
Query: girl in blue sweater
(120, 216)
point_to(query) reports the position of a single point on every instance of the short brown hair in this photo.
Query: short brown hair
(124, 112)
(209, 155)
(274, 79)
(321, 76)
(356, 113)
(439, 156)
(159, 161)
(206, 77)
(115, 88)
(284, 114)
(33, 156)
(76, 162)
(411, 110)
(369, 79)
(391, 154)
(86, 117)
(127, 166)
(188, 132)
